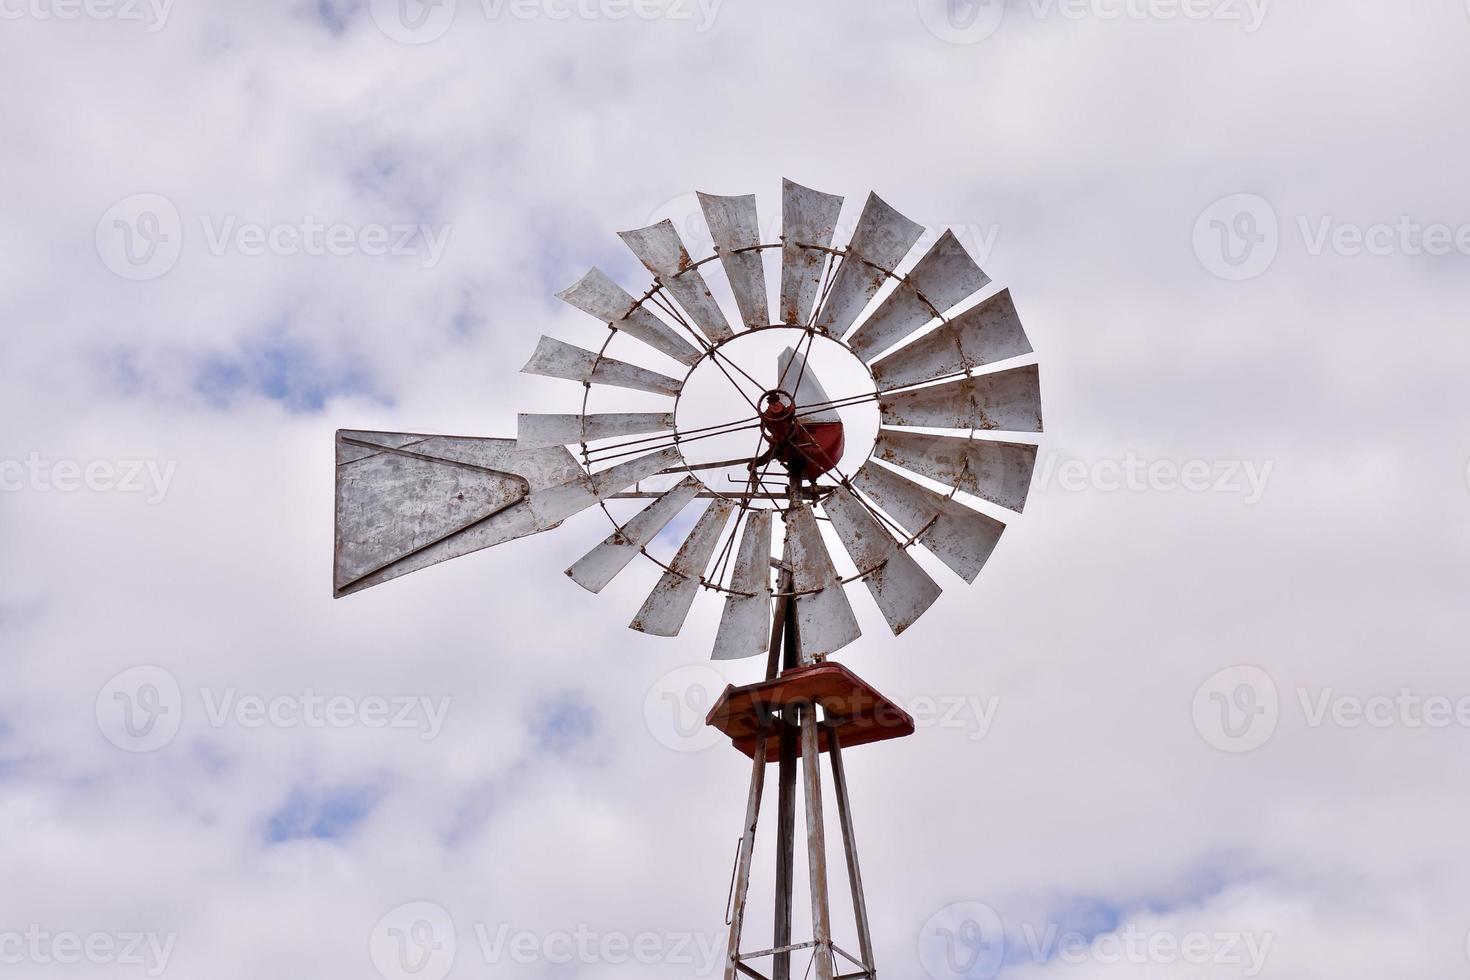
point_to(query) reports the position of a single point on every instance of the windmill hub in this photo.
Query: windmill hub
(761, 397)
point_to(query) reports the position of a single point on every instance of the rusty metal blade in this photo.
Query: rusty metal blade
(1009, 400)
(555, 359)
(594, 570)
(944, 276)
(598, 295)
(405, 501)
(808, 217)
(902, 590)
(537, 431)
(824, 617)
(745, 625)
(983, 334)
(960, 537)
(557, 503)
(883, 237)
(792, 371)
(667, 606)
(999, 472)
(661, 250)
(733, 225)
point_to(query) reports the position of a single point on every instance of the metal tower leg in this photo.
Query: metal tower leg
(816, 842)
(747, 853)
(849, 845)
(786, 799)
(785, 849)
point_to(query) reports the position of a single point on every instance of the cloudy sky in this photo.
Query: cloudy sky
(1204, 713)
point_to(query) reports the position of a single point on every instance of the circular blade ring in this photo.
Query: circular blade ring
(656, 301)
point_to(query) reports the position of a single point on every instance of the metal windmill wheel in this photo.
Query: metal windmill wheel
(406, 501)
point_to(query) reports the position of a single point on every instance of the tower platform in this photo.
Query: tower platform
(851, 706)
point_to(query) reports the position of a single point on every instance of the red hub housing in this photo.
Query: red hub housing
(806, 448)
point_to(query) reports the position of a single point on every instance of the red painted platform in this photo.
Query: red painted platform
(858, 712)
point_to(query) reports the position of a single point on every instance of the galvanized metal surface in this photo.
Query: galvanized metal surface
(999, 472)
(667, 606)
(808, 217)
(797, 379)
(960, 537)
(1008, 400)
(555, 359)
(555, 504)
(733, 225)
(538, 431)
(405, 501)
(849, 848)
(662, 252)
(943, 277)
(816, 844)
(902, 590)
(983, 334)
(598, 295)
(746, 619)
(594, 570)
(741, 890)
(883, 237)
(788, 752)
(824, 617)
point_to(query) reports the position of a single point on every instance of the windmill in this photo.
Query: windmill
(405, 501)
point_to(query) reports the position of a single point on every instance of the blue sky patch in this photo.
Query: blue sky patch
(282, 370)
(320, 814)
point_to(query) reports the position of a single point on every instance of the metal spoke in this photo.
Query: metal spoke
(665, 442)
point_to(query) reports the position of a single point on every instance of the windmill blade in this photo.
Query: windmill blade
(661, 250)
(983, 334)
(883, 237)
(999, 472)
(1009, 400)
(555, 359)
(405, 501)
(745, 625)
(594, 570)
(733, 225)
(902, 590)
(667, 606)
(555, 504)
(538, 431)
(960, 537)
(808, 217)
(824, 619)
(598, 295)
(944, 276)
(793, 371)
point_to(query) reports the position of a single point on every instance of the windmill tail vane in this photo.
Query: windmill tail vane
(945, 364)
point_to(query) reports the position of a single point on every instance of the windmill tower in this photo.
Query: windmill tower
(406, 501)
